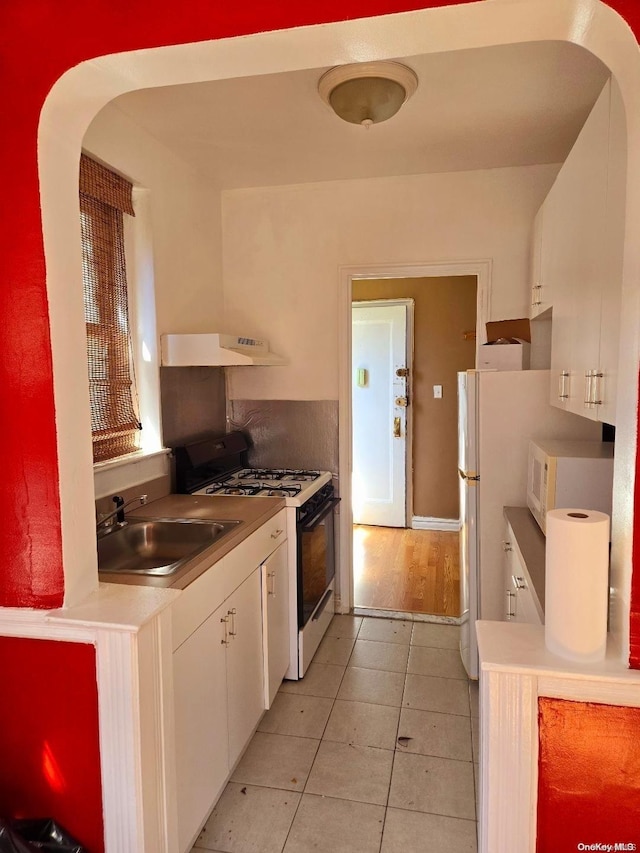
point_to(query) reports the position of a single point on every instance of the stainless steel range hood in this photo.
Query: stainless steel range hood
(215, 350)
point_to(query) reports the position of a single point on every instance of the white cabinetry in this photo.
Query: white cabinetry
(245, 692)
(581, 254)
(275, 614)
(200, 708)
(541, 290)
(521, 600)
(218, 671)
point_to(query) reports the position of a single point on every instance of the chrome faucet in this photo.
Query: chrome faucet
(103, 527)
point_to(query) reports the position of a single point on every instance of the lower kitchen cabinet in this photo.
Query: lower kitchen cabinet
(219, 650)
(200, 711)
(275, 609)
(522, 603)
(245, 693)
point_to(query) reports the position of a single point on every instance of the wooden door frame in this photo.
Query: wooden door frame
(409, 304)
(482, 269)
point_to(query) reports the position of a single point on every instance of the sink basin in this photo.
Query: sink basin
(158, 546)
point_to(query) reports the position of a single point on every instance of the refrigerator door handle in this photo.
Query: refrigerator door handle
(472, 476)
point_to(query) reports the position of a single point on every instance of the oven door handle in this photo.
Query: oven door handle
(324, 510)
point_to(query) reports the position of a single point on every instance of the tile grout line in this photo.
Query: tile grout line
(395, 746)
(333, 702)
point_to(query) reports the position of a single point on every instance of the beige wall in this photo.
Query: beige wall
(283, 248)
(184, 209)
(445, 308)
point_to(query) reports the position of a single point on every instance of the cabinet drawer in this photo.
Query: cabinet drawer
(212, 587)
(261, 544)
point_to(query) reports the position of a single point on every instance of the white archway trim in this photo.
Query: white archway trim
(479, 268)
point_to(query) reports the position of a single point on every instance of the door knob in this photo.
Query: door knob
(401, 401)
(402, 371)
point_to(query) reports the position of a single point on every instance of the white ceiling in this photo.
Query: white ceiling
(512, 105)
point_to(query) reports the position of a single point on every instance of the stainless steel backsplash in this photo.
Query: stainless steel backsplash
(193, 403)
(288, 433)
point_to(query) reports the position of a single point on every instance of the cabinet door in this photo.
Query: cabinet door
(200, 707)
(540, 287)
(525, 608)
(507, 547)
(586, 259)
(245, 688)
(275, 615)
(613, 250)
(579, 200)
(556, 275)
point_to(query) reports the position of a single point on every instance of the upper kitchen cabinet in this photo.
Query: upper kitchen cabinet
(613, 261)
(581, 261)
(535, 276)
(544, 249)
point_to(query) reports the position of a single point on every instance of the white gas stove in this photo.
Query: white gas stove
(216, 466)
(295, 486)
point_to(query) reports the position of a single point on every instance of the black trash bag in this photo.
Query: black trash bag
(11, 842)
(44, 834)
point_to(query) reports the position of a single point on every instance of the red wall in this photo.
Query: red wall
(49, 748)
(589, 776)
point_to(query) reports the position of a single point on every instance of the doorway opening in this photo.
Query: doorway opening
(409, 338)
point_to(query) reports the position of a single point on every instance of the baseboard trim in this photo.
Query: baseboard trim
(427, 522)
(407, 616)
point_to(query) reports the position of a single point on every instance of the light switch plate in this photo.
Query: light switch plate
(437, 392)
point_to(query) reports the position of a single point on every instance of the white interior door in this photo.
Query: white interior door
(379, 413)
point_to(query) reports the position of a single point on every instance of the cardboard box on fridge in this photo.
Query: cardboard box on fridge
(514, 356)
(508, 346)
(498, 329)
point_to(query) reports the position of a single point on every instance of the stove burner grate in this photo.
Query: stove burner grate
(278, 474)
(281, 491)
(234, 490)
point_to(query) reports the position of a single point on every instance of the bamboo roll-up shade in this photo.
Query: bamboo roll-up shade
(104, 185)
(115, 423)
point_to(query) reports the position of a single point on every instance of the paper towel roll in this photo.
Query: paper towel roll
(577, 584)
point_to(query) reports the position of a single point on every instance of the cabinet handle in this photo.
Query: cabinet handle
(536, 294)
(562, 385)
(596, 395)
(276, 533)
(519, 583)
(510, 613)
(506, 546)
(225, 641)
(232, 613)
(588, 389)
(272, 591)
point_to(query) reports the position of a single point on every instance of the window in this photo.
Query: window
(105, 198)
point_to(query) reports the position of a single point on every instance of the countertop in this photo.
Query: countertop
(251, 512)
(531, 544)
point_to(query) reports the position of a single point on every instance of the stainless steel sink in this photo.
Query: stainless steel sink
(157, 546)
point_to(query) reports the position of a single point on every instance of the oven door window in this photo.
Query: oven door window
(316, 561)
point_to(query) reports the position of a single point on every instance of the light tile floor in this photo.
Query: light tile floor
(373, 751)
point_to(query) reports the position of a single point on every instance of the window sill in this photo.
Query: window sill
(130, 470)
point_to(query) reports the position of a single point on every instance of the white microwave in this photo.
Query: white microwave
(569, 475)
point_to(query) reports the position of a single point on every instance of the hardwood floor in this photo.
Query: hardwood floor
(417, 571)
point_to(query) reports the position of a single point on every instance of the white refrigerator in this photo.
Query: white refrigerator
(498, 413)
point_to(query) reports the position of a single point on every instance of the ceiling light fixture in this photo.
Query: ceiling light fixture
(368, 92)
